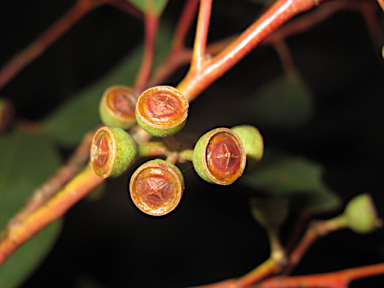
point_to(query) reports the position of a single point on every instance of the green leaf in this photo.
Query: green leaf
(294, 177)
(26, 161)
(283, 103)
(146, 6)
(79, 115)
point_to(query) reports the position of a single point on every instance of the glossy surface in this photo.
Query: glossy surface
(117, 107)
(219, 156)
(156, 187)
(162, 110)
(113, 150)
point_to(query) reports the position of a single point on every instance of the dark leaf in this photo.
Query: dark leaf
(283, 103)
(295, 177)
(79, 115)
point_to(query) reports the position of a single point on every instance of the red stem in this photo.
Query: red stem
(151, 24)
(57, 206)
(178, 55)
(316, 229)
(197, 80)
(37, 47)
(42, 194)
(202, 29)
(337, 279)
(185, 21)
(262, 271)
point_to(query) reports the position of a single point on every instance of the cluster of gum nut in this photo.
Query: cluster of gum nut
(156, 187)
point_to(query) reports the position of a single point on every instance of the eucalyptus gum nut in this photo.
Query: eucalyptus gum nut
(219, 156)
(156, 187)
(162, 111)
(117, 107)
(253, 145)
(113, 150)
(360, 214)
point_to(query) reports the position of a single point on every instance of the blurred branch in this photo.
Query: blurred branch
(38, 46)
(54, 209)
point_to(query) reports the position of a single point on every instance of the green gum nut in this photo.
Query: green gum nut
(6, 115)
(156, 187)
(162, 111)
(219, 156)
(360, 214)
(113, 150)
(253, 145)
(117, 107)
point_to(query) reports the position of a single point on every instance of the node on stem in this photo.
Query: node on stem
(113, 150)
(219, 156)
(162, 111)
(156, 187)
(117, 107)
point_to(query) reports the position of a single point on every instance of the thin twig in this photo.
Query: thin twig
(37, 47)
(198, 80)
(178, 55)
(40, 196)
(151, 21)
(202, 28)
(54, 209)
(268, 268)
(337, 279)
(315, 230)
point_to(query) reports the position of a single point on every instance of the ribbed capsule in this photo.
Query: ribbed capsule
(219, 156)
(156, 187)
(113, 150)
(117, 107)
(162, 111)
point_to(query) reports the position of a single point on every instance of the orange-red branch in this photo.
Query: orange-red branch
(315, 230)
(197, 80)
(185, 21)
(337, 279)
(268, 268)
(198, 55)
(54, 209)
(73, 166)
(178, 55)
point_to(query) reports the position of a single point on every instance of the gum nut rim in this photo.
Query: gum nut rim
(223, 156)
(156, 187)
(120, 101)
(112, 151)
(102, 152)
(162, 107)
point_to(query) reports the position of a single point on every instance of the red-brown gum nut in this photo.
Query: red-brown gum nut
(162, 111)
(156, 187)
(219, 156)
(117, 107)
(112, 151)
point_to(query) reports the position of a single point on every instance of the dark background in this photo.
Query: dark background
(211, 236)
